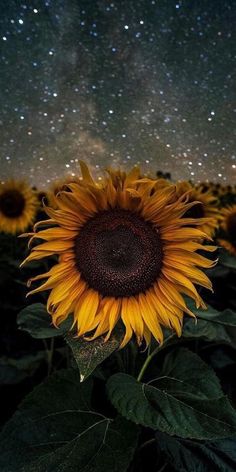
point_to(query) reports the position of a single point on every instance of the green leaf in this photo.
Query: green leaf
(189, 374)
(218, 271)
(55, 429)
(212, 325)
(89, 354)
(38, 323)
(177, 404)
(225, 317)
(227, 260)
(220, 359)
(13, 371)
(185, 455)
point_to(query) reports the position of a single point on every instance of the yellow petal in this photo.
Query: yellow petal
(85, 173)
(114, 315)
(131, 313)
(150, 318)
(86, 310)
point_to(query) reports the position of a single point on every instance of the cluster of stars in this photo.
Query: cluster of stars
(146, 83)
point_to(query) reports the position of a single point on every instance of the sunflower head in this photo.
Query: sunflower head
(205, 207)
(18, 206)
(57, 186)
(228, 226)
(42, 197)
(161, 183)
(183, 187)
(204, 186)
(125, 252)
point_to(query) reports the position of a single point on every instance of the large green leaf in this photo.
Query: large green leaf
(176, 403)
(187, 455)
(38, 323)
(55, 430)
(227, 260)
(89, 354)
(189, 374)
(225, 317)
(212, 325)
(218, 271)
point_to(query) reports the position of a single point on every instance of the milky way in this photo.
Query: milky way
(122, 82)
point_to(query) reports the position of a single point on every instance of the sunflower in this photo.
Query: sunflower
(229, 227)
(18, 206)
(161, 183)
(205, 208)
(124, 253)
(57, 186)
(42, 196)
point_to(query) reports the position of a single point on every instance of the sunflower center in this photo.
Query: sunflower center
(118, 253)
(197, 211)
(231, 227)
(12, 203)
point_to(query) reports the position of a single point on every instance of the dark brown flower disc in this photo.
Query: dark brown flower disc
(118, 253)
(12, 203)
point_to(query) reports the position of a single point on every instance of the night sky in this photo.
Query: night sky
(122, 82)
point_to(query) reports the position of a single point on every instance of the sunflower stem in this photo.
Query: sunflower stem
(49, 351)
(151, 355)
(146, 363)
(147, 443)
(50, 356)
(163, 467)
(149, 349)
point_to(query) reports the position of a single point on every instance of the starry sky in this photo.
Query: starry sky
(118, 83)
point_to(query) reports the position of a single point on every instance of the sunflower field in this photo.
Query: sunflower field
(118, 324)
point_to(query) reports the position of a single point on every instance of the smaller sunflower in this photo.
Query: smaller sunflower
(42, 196)
(56, 187)
(204, 186)
(18, 206)
(205, 208)
(161, 184)
(229, 227)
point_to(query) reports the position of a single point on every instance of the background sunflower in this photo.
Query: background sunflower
(205, 208)
(228, 241)
(18, 206)
(57, 186)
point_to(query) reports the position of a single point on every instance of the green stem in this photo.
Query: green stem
(147, 443)
(162, 468)
(150, 356)
(49, 351)
(50, 355)
(146, 363)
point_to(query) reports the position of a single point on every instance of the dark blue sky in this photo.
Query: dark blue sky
(118, 83)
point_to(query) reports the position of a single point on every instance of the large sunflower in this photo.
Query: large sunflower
(229, 227)
(18, 206)
(206, 206)
(125, 252)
